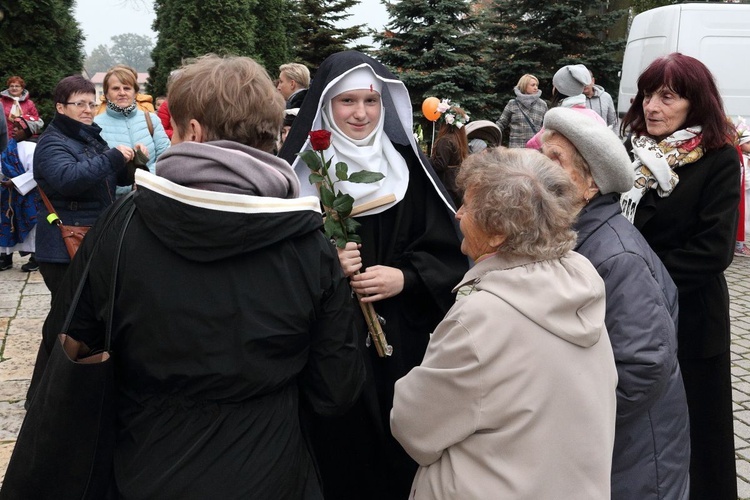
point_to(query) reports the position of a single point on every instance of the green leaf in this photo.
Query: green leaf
(354, 238)
(343, 204)
(315, 178)
(333, 229)
(311, 159)
(351, 226)
(342, 171)
(365, 177)
(326, 197)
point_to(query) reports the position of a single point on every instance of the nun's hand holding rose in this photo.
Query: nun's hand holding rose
(378, 283)
(350, 259)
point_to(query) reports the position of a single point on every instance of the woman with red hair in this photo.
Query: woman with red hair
(684, 202)
(16, 102)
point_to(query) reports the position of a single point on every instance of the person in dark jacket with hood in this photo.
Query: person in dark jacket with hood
(77, 170)
(231, 310)
(651, 456)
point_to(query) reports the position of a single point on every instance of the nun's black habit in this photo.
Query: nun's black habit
(357, 455)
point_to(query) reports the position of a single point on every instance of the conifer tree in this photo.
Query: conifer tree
(526, 36)
(434, 48)
(317, 35)
(192, 28)
(42, 43)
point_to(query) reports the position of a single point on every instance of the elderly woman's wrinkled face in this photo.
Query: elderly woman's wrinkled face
(356, 112)
(560, 150)
(120, 93)
(15, 89)
(665, 112)
(476, 241)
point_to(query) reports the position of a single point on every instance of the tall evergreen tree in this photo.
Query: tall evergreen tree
(318, 35)
(433, 46)
(192, 28)
(42, 43)
(274, 45)
(526, 36)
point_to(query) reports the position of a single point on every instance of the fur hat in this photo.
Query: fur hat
(601, 148)
(570, 80)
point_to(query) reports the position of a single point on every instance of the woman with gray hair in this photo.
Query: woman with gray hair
(515, 397)
(652, 440)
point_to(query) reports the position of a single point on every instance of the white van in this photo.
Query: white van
(717, 34)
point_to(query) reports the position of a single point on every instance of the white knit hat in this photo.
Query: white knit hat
(601, 148)
(570, 80)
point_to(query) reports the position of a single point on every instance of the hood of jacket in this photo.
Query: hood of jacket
(215, 200)
(24, 95)
(564, 296)
(598, 90)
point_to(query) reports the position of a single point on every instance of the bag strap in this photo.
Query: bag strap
(527, 117)
(52, 217)
(149, 123)
(85, 274)
(112, 286)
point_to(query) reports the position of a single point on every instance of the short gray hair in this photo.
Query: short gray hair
(524, 196)
(296, 72)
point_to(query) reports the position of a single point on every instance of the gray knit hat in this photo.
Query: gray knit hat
(570, 80)
(601, 148)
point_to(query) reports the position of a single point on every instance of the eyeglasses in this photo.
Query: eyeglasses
(15, 86)
(82, 105)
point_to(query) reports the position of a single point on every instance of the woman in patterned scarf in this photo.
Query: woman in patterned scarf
(684, 202)
(126, 122)
(524, 114)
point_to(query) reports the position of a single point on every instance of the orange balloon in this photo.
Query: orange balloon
(429, 108)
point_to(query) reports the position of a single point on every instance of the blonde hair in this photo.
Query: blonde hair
(523, 82)
(296, 72)
(524, 196)
(232, 97)
(125, 74)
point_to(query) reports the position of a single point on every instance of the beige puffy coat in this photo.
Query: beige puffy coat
(515, 397)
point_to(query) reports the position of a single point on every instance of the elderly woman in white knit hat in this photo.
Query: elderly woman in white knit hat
(652, 445)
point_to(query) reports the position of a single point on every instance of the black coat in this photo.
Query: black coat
(358, 456)
(693, 231)
(225, 323)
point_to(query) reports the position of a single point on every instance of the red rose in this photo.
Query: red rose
(320, 140)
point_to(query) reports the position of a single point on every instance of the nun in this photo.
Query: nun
(406, 266)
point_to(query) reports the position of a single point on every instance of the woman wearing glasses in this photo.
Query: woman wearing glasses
(77, 170)
(16, 102)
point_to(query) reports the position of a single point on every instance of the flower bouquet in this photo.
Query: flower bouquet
(339, 226)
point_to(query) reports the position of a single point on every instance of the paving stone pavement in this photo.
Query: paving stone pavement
(24, 302)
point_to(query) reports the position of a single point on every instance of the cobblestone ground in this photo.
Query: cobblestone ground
(24, 302)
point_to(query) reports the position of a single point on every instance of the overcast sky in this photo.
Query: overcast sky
(102, 19)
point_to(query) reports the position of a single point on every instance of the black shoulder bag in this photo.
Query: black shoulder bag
(66, 443)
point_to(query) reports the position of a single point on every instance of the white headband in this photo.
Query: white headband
(358, 79)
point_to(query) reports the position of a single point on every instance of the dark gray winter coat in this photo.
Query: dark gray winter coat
(651, 456)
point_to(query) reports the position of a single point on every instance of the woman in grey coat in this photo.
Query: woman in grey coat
(651, 456)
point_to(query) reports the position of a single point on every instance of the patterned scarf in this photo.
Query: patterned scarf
(117, 109)
(655, 165)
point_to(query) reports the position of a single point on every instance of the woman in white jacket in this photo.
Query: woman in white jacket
(515, 397)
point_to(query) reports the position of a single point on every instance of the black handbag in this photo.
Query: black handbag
(66, 443)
